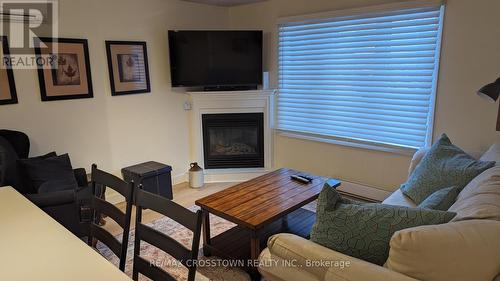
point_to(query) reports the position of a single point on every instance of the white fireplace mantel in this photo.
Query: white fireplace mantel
(259, 101)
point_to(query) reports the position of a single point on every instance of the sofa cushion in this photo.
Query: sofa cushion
(397, 198)
(364, 230)
(492, 154)
(49, 169)
(480, 199)
(442, 166)
(441, 199)
(468, 250)
(291, 257)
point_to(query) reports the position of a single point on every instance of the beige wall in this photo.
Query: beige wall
(470, 59)
(119, 131)
(114, 131)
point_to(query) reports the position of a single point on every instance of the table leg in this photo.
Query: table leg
(206, 233)
(254, 247)
(254, 255)
(284, 223)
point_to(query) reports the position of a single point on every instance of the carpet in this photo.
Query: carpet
(184, 236)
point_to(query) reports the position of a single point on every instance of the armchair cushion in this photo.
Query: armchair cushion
(57, 185)
(52, 199)
(49, 169)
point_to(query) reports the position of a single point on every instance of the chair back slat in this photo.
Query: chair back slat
(104, 207)
(99, 206)
(167, 208)
(150, 270)
(164, 243)
(183, 216)
(105, 237)
(111, 181)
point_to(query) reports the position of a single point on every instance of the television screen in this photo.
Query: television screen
(215, 58)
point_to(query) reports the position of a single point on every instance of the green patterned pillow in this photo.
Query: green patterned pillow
(441, 199)
(364, 230)
(442, 166)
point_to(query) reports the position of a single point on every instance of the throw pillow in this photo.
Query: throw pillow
(23, 174)
(441, 199)
(53, 168)
(444, 165)
(467, 250)
(364, 230)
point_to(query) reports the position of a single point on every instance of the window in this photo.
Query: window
(369, 78)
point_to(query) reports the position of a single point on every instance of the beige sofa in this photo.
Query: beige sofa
(467, 248)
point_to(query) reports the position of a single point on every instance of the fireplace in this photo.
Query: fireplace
(233, 140)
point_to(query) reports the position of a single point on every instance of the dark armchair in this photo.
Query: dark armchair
(61, 202)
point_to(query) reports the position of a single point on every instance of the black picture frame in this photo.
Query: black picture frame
(10, 74)
(109, 55)
(41, 75)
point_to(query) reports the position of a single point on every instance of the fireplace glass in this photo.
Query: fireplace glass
(233, 140)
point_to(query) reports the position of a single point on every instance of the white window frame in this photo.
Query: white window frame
(372, 145)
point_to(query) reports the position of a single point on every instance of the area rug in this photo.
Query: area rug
(212, 271)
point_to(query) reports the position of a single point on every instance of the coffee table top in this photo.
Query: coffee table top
(256, 202)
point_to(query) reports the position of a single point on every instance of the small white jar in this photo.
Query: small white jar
(196, 177)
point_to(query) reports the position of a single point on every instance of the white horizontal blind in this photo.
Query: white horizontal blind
(370, 78)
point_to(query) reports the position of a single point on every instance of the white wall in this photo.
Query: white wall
(114, 131)
(470, 59)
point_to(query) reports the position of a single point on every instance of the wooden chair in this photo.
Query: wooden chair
(190, 220)
(99, 181)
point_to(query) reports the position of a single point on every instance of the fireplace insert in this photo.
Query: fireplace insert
(233, 140)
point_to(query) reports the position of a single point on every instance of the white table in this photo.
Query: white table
(33, 246)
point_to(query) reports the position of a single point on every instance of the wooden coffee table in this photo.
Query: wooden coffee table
(260, 207)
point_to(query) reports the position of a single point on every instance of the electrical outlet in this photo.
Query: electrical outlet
(187, 105)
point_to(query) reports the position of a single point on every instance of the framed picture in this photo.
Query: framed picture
(8, 93)
(65, 73)
(128, 67)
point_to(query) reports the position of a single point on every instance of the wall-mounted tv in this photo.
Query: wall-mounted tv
(216, 59)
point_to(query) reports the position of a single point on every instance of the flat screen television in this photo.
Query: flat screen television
(216, 60)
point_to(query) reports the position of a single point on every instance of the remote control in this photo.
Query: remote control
(307, 177)
(300, 179)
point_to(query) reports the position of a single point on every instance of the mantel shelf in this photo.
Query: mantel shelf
(233, 93)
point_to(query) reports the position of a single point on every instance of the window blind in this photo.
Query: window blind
(370, 78)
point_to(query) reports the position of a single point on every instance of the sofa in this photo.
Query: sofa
(466, 248)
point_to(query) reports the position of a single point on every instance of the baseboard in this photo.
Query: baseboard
(233, 175)
(364, 191)
(180, 178)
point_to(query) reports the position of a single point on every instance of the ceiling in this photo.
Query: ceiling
(225, 3)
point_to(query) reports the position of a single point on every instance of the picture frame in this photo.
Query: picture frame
(8, 94)
(71, 78)
(128, 67)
